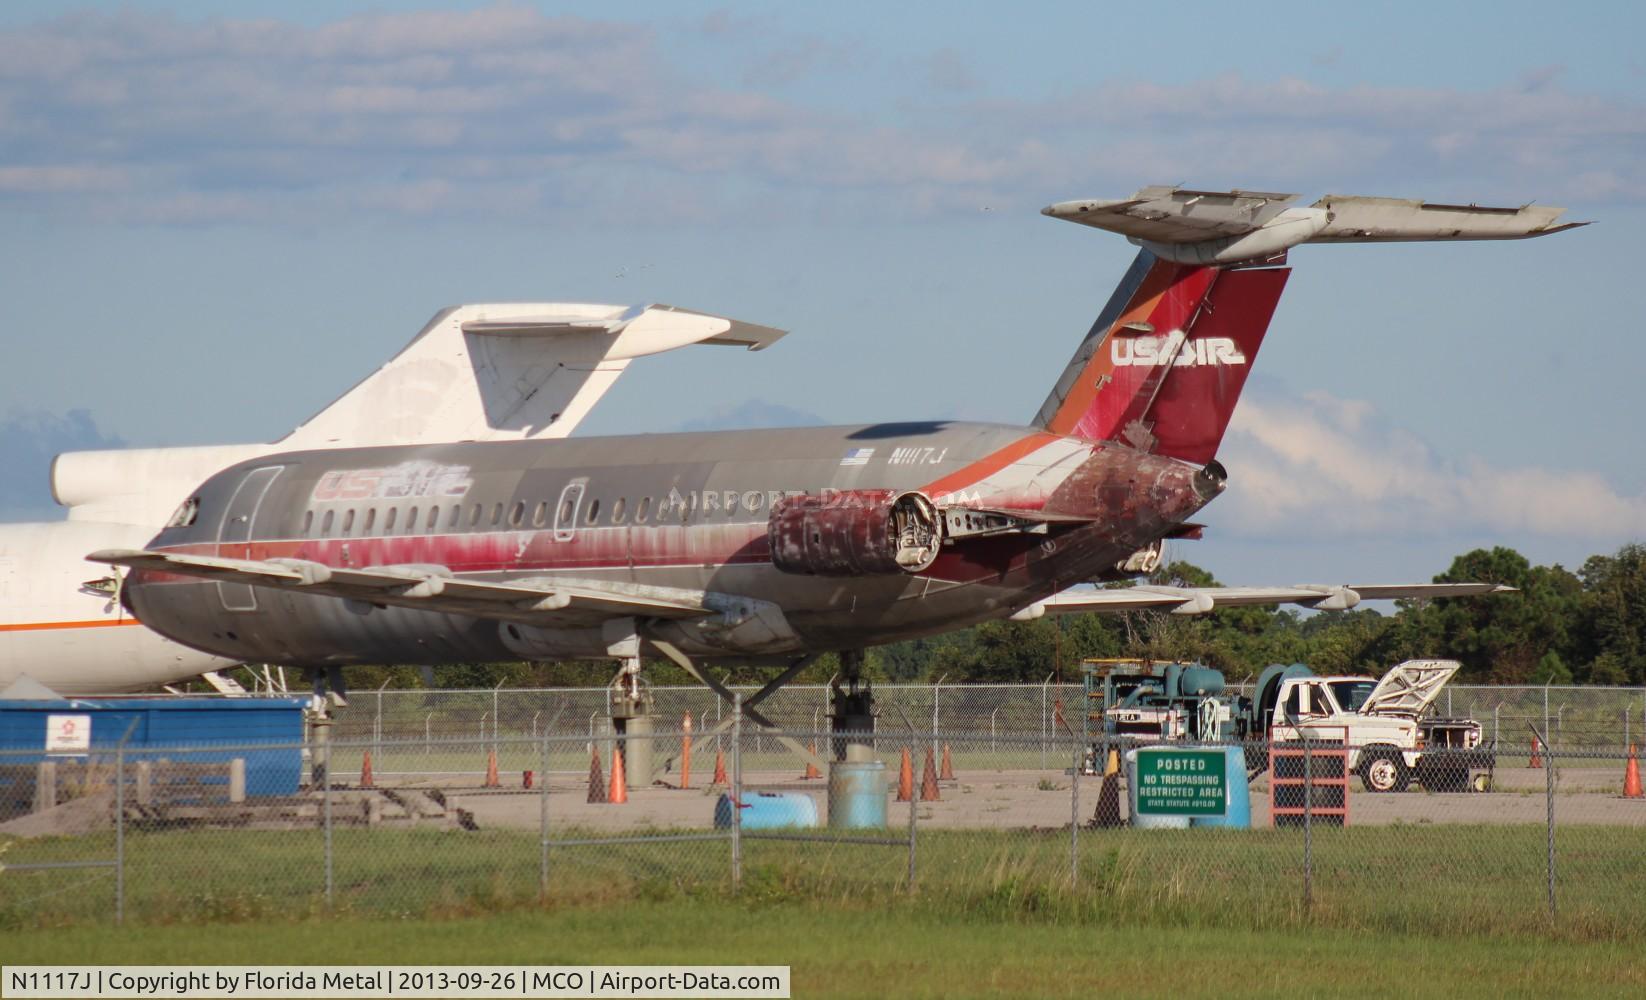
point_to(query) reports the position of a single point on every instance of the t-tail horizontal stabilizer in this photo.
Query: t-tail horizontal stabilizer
(1218, 228)
(512, 370)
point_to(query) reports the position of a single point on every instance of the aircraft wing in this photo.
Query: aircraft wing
(542, 602)
(1203, 600)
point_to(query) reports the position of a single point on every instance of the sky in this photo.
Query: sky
(211, 224)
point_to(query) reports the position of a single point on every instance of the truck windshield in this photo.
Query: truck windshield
(1353, 694)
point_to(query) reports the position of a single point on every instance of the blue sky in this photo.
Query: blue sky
(211, 224)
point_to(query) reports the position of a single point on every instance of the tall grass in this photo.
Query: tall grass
(1452, 881)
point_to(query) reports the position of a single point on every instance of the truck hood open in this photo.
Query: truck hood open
(1409, 688)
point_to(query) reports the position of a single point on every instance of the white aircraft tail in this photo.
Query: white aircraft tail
(494, 372)
(481, 372)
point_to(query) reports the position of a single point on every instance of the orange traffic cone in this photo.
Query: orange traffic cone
(1631, 776)
(597, 780)
(905, 779)
(928, 781)
(947, 774)
(811, 769)
(620, 786)
(1537, 754)
(720, 769)
(686, 752)
(491, 770)
(365, 771)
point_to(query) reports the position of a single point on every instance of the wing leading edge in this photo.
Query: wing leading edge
(555, 604)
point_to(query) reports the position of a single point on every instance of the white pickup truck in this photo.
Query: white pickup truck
(1391, 742)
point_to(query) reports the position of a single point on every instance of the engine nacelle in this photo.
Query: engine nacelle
(855, 533)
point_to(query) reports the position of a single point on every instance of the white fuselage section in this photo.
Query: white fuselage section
(70, 637)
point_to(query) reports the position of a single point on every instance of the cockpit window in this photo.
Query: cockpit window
(187, 513)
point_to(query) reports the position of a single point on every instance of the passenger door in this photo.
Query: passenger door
(236, 528)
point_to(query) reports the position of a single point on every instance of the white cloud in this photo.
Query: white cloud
(506, 111)
(1323, 466)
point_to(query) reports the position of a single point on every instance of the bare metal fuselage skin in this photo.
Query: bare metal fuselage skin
(687, 511)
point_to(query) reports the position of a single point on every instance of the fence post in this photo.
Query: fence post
(737, 792)
(543, 824)
(495, 715)
(914, 801)
(1044, 687)
(936, 690)
(1074, 818)
(1308, 825)
(120, 833)
(1549, 794)
(325, 808)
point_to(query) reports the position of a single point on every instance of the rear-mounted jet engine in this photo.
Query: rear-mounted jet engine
(855, 533)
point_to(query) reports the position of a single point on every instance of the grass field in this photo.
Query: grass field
(1448, 881)
(910, 949)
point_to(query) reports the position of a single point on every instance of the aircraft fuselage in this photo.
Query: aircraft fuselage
(685, 511)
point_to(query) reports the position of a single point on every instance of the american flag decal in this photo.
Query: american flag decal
(857, 456)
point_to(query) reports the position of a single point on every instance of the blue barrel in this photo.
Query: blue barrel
(768, 811)
(1240, 793)
(857, 795)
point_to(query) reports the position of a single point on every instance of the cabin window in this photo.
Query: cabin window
(348, 520)
(540, 516)
(568, 510)
(411, 520)
(388, 522)
(518, 514)
(594, 512)
(474, 515)
(371, 521)
(457, 515)
(308, 522)
(620, 509)
(643, 511)
(497, 514)
(325, 523)
(434, 518)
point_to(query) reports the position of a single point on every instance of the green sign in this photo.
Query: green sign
(1181, 783)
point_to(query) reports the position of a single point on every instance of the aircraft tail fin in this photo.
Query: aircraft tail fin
(502, 371)
(1165, 362)
(1164, 365)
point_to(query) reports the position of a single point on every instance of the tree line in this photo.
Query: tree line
(1560, 626)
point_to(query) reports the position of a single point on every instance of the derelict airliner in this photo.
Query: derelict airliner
(773, 546)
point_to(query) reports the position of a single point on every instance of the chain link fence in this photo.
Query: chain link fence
(1000, 820)
(1571, 717)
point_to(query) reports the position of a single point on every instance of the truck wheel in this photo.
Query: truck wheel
(1385, 771)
